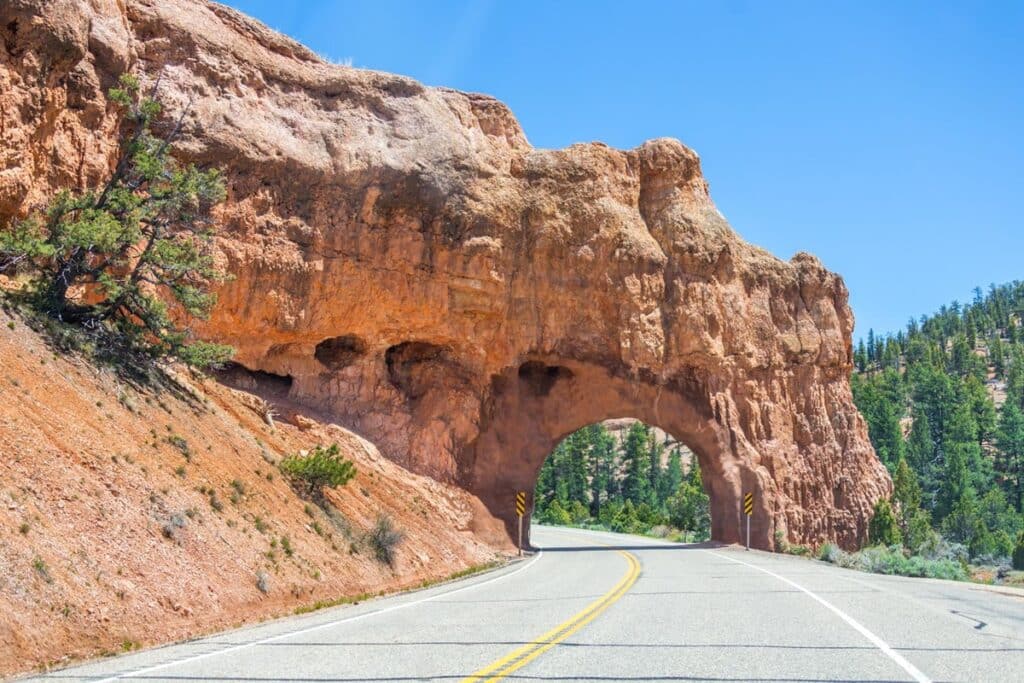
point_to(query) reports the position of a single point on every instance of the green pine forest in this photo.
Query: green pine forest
(944, 404)
(629, 485)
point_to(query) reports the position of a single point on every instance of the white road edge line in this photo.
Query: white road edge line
(317, 627)
(914, 672)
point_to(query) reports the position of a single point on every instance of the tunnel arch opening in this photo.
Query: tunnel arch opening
(537, 403)
(626, 476)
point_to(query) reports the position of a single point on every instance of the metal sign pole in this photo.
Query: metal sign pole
(520, 535)
(748, 532)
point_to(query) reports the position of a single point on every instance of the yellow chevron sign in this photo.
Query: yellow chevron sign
(520, 503)
(748, 504)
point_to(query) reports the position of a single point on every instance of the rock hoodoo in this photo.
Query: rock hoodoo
(408, 264)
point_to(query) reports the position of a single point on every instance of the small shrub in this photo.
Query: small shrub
(286, 546)
(260, 525)
(181, 444)
(238, 486)
(23, 529)
(781, 542)
(180, 471)
(883, 528)
(44, 572)
(215, 502)
(320, 468)
(171, 527)
(384, 538)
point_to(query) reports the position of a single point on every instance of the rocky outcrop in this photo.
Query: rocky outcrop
(407, 262)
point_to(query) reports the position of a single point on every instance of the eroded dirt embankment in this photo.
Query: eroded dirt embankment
(130, 517)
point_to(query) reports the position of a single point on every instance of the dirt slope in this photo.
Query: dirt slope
(109, 536)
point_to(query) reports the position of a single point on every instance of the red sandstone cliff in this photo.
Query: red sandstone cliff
(406, 262)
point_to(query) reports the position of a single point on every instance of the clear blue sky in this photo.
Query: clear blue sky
(887, 138)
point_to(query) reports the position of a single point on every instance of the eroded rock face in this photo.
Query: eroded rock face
(406, 262)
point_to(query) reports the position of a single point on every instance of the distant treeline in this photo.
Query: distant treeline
(628, 485)
(943, 400)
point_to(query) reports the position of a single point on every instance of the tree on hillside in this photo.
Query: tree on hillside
(922, 457)
(689, 508)
(109, 259)
(673, 476)
(320, 468)
(576, 447)
(883, 528)
(636, 485)
(972, 392)
(1010, 460)
(601, 465)
(959, 449)
(906, 493)
(656, 472)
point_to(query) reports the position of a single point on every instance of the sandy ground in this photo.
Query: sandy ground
(131, 517)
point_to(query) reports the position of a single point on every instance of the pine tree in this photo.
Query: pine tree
(575, 468)
(636, 485)
(602, 459)
(144, 238)
(921, 456)
(906, 493)
(673, 475)
(955, 484)
(655, 477)
(1010, 460)
(861, 356)
(962, 438)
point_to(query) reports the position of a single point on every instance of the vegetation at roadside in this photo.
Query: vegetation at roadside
(944, 404)
(383, 538)
(126, 264)
(426, 583)
(633, 486)
(322, 467)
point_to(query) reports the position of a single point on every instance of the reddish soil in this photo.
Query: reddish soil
(109, 535)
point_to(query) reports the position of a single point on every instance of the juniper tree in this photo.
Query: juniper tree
(322, 467)
(110, 259)
(883, 528)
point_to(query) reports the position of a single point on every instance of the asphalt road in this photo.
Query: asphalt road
(631, 609)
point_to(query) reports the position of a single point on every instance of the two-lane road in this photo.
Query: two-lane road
(609, 607)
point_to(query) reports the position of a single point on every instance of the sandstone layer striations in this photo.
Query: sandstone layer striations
(407, 262)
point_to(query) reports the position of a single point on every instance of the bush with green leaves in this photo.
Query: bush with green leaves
(883, 528)
(556, 514)
(384, 538)
(893, 560)
(321, 467)
(128, 261)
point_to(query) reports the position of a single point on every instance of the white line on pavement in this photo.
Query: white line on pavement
(317, 627)
(914, 672)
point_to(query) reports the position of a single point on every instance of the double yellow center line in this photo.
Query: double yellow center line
(535, 648)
